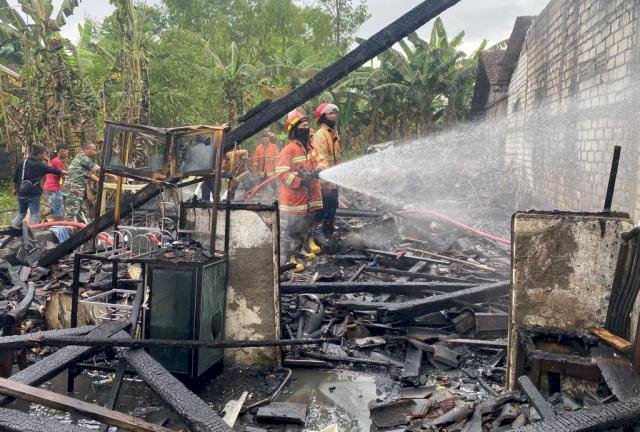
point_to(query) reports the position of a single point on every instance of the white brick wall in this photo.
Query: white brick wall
(579, 65)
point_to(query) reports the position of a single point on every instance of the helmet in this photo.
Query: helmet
(294, 118)
(324, 108)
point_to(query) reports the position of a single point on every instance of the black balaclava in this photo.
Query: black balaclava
(302, 135)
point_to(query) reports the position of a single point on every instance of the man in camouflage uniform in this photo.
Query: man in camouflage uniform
(81, 169)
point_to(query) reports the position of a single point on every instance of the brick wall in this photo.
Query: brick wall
(569, 102)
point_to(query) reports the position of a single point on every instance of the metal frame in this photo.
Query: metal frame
(169, 175)
(146, 261)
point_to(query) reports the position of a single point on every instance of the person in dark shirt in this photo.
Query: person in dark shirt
(32, 169)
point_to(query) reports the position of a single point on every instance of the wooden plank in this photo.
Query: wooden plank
(543, 407)
(16, 421)
(55, 363)
(479, 343)
(455, 260)
(65, 403)
(615, 341)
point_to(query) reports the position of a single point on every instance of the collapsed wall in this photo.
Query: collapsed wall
(573, 97)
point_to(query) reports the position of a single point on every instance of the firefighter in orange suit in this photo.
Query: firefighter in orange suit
(300, 195)
(327, 143)
(264, 159)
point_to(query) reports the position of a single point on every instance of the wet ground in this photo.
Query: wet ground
(135, 399)
(334, 397)
(337, 397)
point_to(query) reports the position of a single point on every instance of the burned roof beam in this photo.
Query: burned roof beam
(367, 50)
(374, 287)
(408, 310)
(193, 411)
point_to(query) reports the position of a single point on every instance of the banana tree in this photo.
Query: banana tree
(51, 101)
(237, 79)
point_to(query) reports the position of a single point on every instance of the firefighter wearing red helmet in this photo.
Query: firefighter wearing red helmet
(326, 142)
(297, 168)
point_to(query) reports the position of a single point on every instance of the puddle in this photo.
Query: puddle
(135, 398)
(340, 397)
(333, 397)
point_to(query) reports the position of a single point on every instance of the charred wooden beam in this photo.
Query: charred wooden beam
(358, 213)
(16, 421)
(478, 343)
(413, 360)
(65, 403)
(603, 417)
(104, 342)
(55, 363)
(105, 221)
(413, 275)
(543, 407)
(75, 331)
(375, 45)
(409, 257)
(193, 411)
(412, 309)
(406, 288)
(347, 359)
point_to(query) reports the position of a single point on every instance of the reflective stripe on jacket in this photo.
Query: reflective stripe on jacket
(296, 198)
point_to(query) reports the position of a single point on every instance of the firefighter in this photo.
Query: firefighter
(327, 143)
(265, 157)
(300, 196)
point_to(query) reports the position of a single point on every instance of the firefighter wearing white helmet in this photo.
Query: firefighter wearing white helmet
(327, 143)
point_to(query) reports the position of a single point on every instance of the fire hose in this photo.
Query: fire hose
(495, 238)
(102, 236)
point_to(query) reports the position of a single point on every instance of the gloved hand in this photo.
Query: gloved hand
(306, 176)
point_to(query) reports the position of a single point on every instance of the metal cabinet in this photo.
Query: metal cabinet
(186, 301)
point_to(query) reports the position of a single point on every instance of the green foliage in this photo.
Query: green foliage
(210, 61)
(423, 86)
(346, 18)
(7, 204)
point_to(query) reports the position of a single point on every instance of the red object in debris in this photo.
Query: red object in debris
(102, 236)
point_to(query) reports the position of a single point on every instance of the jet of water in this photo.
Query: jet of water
(481, 172)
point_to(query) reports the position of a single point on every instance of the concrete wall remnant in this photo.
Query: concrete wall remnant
(562, 272)
(253, 295)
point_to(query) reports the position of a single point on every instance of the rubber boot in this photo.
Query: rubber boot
(327, 229)
(321, 238)
(313, 246)
(298, 264)
(306, 254)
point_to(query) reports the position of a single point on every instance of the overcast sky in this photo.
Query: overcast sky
(480, 19)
